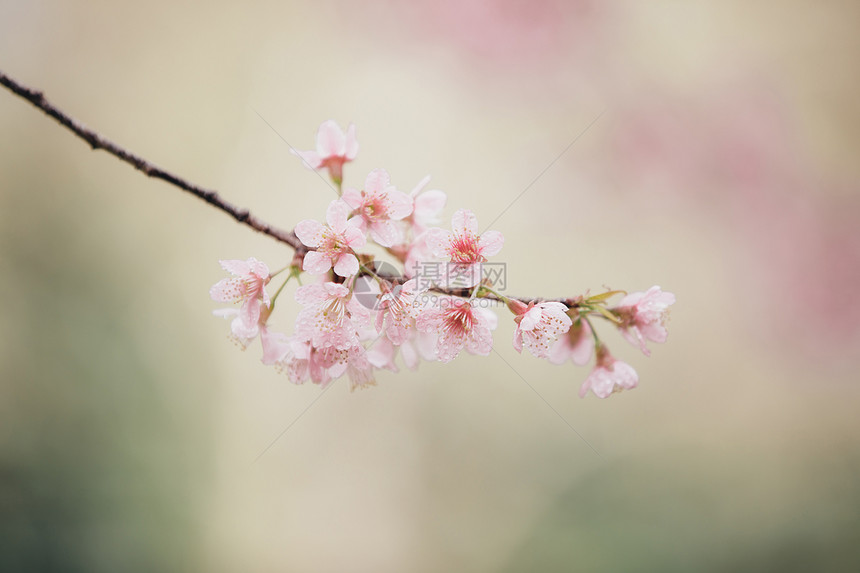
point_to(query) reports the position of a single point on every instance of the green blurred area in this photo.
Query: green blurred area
(102, 462)
(692, 509)
(130, 422)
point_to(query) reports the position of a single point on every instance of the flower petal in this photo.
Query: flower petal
(227, 290)
(276, 345)
(330, 139)
(311, 294)
(401, 205)
(582, 352)
(310, 159)
(429, 203)
(316, 263)
(350, 147)
(425, 343)
(437, 241)
(236, 267)
(479, 341)
(409, 355)
(531, 318)
(386, 233)
(634, 337)
(464, 222)
(352, 197)
(354, 234)
(258, 268)
(560, 351)
(346, 265)
(377, 180)
(310, 232)
(624, 375)
(463, 275)
(487, 317)
(249, 313)
(336, 215)
(421, 185)
(518, 340)
(491, 243)
(226, 312)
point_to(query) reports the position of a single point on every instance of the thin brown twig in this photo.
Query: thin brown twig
(241, 215)
(96, 141)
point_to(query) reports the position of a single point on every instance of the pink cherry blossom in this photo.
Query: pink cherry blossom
(539, 325)
(419, 345)
(457, 325)
(276, 345)
(331, 317)
(419, 252)
(353, 361)
(396, 315)
(247, 285)
(577, 345)
(378, 206)
(609, 376)
(287, 354)
(334, 242)
(381, 354)
(295, 362)
(302, 362)
(359, 369)
(643, 315)
(334, 148)
(427, 204)
(241, 332)
(465, 249)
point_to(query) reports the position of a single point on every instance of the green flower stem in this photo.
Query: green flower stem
(597, 342)
(278, 292)
(491, 291)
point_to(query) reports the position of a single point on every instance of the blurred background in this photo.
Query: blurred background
(720, 163)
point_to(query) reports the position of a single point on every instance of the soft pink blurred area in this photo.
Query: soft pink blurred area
(736, 152)
(500, 33)
(706, 147)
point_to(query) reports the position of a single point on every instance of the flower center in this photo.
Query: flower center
(332, 243)
(464, 249)
(253, 285)
(459, 320)
(375, 208)
(334, 312)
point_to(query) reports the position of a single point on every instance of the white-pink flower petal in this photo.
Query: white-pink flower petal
(539, 326)
(609, 376)
(643, 316)
(346, 266)
(491, 243)
(577, 345)
(310, 232)
(336, 215)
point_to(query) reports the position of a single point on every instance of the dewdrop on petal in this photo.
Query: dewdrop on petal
(378, 208)
(643, 316)
(609, 376)
(334, 242)
(358, 316)
(538, 325)
(458, 325)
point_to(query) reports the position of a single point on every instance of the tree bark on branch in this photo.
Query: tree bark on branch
(242, 215)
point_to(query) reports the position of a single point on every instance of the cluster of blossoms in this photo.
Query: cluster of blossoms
(356, 315)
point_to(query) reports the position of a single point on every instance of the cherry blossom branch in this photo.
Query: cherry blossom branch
(96, 141)
(240, 214)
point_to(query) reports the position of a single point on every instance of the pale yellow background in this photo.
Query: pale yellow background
(130, 422)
